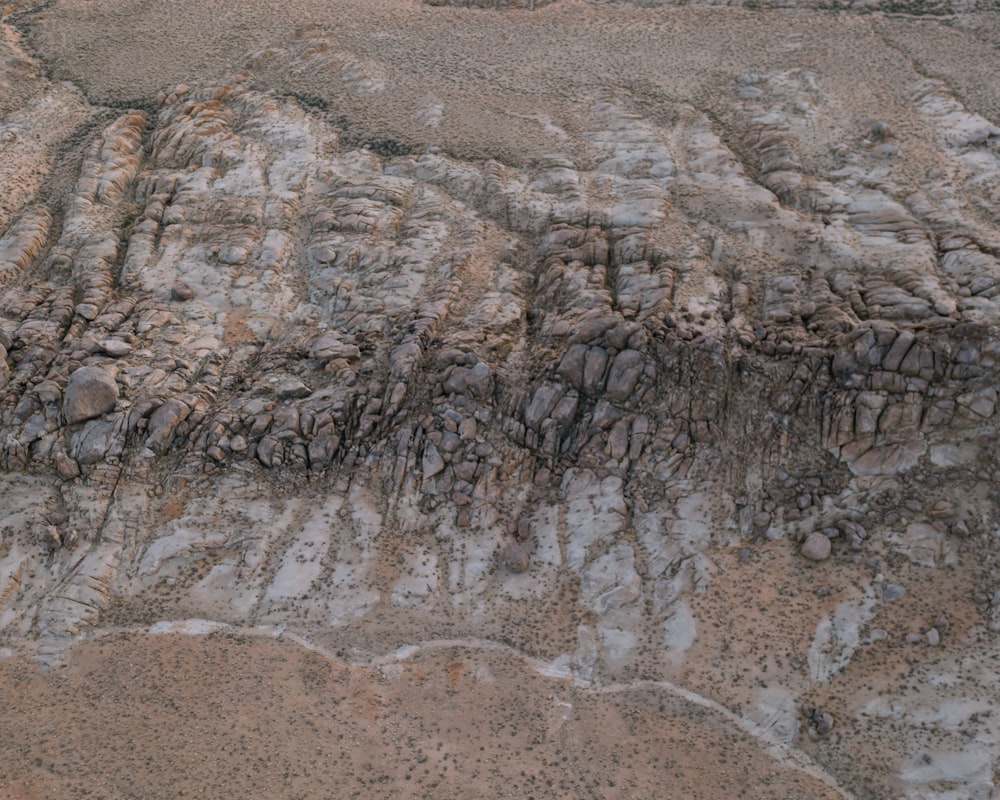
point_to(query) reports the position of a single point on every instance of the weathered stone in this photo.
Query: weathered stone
(516, 557)
(623, 375)
(322, 449)
(476, 381)
(66, 466)
(592, 328)
(594, 366)
(91, 392)
(571, 367)
(618, 440)
(270, 451)
(467, 429)
(292, 388)
(432, 463)
(541, 405)
(450, 442)
(565, 411)
(115, 347)
(164, 421)
(823, 722)
(329, 347)
(816, 547)
(898, 351)
(892, 592)
(98, 440)
(181, 292)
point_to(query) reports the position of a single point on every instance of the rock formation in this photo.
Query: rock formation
(692, 392)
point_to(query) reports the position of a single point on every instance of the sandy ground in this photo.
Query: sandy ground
(222, 716)
(495, 80)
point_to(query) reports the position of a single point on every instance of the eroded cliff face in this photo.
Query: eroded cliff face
(698, 390)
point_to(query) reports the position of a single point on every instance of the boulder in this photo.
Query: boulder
(624, 375)
(817, 547)
(571, 367)
(517, 557)
(432, 463)
(329, 347)
(594, 364)
(164, 421)
(91, 392)
(542, 403)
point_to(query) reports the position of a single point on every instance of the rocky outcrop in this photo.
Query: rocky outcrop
(691, 380)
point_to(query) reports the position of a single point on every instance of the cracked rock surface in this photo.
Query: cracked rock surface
(639, 358)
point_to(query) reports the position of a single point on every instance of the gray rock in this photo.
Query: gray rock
(571, 367)
(432, 463)
(594, 364)
(115, 347)
(91, 392)
(88, 311)
(476, 381)
(164, 421)
(480, 380)
(618, 440)
(852, 530)
(321, 450)
(292, 388)
(96, 442)
(270, 451)
(329, 347)
(892, 591)
(541, 405)
(565, 411)
(816, 547)
(516, 557)
(823, 722)
(181, 292)
(590, 329)
(624, 375)
(450, 442)
(467, 429)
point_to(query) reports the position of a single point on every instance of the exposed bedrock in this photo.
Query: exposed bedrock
(722, 390)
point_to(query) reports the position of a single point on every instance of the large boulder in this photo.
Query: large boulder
(91, 392)
(816, 547)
